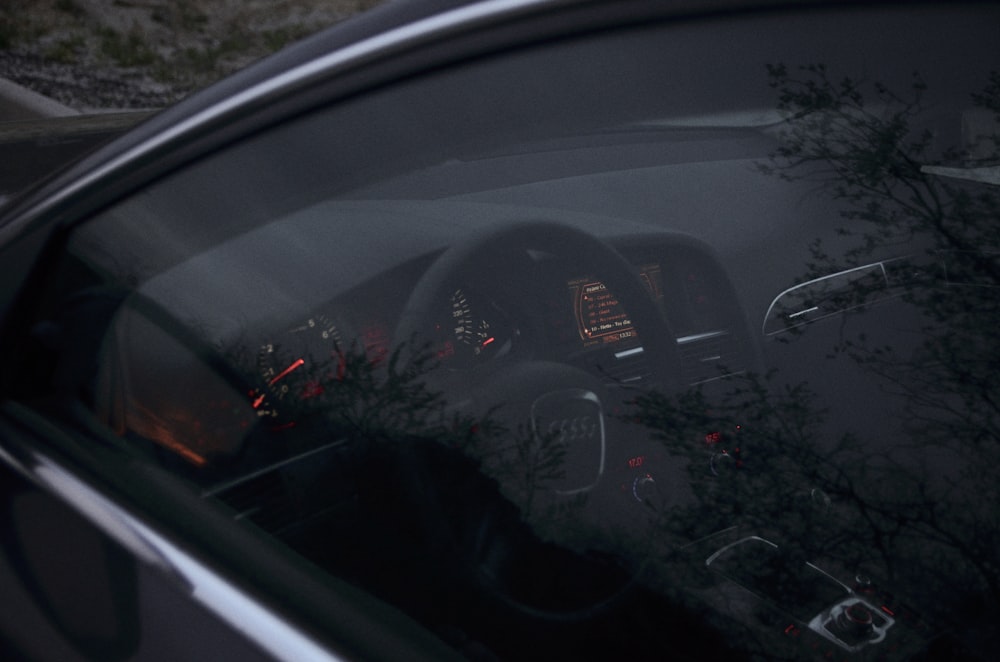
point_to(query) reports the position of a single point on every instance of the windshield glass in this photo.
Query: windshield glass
(682, 328)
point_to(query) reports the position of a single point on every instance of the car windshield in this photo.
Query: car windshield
(664, 339)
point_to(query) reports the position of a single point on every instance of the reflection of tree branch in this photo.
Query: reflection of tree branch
(776, 440)
(870, 156)
(879, 506)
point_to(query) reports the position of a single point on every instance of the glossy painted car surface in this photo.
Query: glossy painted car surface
(522, 330)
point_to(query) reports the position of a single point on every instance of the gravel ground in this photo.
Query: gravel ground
(96, 55)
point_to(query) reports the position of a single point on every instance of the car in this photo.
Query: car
(522, 329)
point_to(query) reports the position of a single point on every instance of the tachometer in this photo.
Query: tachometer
(294, 368)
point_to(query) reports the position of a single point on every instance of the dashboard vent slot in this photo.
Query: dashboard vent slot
(708, 356)
(623, 367)
(629, 367)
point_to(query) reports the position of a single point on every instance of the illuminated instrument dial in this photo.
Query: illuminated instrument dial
(470, 330)
(476, 329)
(296, 367)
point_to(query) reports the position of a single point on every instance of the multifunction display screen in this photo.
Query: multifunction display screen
(600, 318)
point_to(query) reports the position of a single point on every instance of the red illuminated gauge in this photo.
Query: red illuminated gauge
(470, 334)
(295, 368)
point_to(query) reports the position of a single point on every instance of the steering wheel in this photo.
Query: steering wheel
(543, 401)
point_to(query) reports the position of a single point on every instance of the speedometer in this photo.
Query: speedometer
(476, 329)
(470, 330)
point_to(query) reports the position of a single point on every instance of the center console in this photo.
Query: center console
(759, 583)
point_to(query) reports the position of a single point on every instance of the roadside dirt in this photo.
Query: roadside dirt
(121, 54)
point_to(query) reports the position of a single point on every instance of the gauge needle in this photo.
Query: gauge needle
(488, 341)
(287, 371)
(259, 401)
